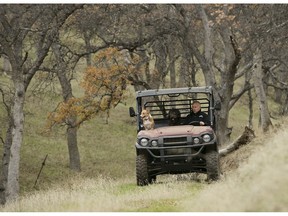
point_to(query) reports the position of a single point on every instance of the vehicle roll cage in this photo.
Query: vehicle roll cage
(159, 108)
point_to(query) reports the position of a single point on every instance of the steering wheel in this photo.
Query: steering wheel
(194, 123)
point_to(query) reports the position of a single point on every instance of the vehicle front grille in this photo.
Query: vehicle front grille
(175, 141)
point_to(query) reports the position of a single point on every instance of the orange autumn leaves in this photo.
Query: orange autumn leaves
(104, 87)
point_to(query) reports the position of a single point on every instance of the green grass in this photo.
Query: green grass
(107, 181)
(105, 149)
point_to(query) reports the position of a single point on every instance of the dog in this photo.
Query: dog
(174, 117)
(148, 121)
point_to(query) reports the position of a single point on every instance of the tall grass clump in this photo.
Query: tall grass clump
(259, 185)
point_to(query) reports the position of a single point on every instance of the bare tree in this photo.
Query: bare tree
(260, 92)
(231, 56)
(22, 27)
(264, 29)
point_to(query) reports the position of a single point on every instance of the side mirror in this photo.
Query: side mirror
(217, 105)
(132, 112)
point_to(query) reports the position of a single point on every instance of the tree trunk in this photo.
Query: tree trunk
(160, 65)
(183, 81)
(171, 53)
(285, 105)
(208, 49)
(74, 155)
(250, 122)
(12, 189)
(250, 101)
(172, 76)
(87, 38)
(5, 162)
(259, 89)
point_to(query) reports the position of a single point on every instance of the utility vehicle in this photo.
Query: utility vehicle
(179, 148)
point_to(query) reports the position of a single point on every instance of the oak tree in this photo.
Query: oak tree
(27, 34)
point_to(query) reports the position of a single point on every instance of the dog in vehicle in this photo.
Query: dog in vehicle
(174, 116)
(147, 119)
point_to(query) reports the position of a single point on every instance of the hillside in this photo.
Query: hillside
(254, 177)
(55, 52)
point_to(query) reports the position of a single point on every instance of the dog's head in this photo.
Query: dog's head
(145, 114)
(174, 116)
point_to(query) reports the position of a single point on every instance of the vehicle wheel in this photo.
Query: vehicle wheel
(213, 165)
(142, 170)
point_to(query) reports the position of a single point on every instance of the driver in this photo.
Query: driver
(197, 115)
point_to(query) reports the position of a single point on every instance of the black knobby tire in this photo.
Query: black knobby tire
(142, 174)
(212, 165)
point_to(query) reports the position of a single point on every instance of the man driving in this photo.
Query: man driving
(197, 117)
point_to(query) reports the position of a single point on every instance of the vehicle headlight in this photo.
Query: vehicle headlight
(206, 138)
(144, 142)
(196, 140)
(154, 143)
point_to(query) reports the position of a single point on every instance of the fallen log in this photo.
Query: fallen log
(243, 139)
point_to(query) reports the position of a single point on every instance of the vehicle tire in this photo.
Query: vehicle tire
(212, 165)
(142, 170)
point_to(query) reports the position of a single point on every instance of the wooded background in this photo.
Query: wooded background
(148, 46)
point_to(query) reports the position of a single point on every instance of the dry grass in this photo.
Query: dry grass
(105, 195)
(257, 184)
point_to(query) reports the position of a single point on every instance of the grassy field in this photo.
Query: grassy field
(254, 179)
(105, 149)
(258, 185)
